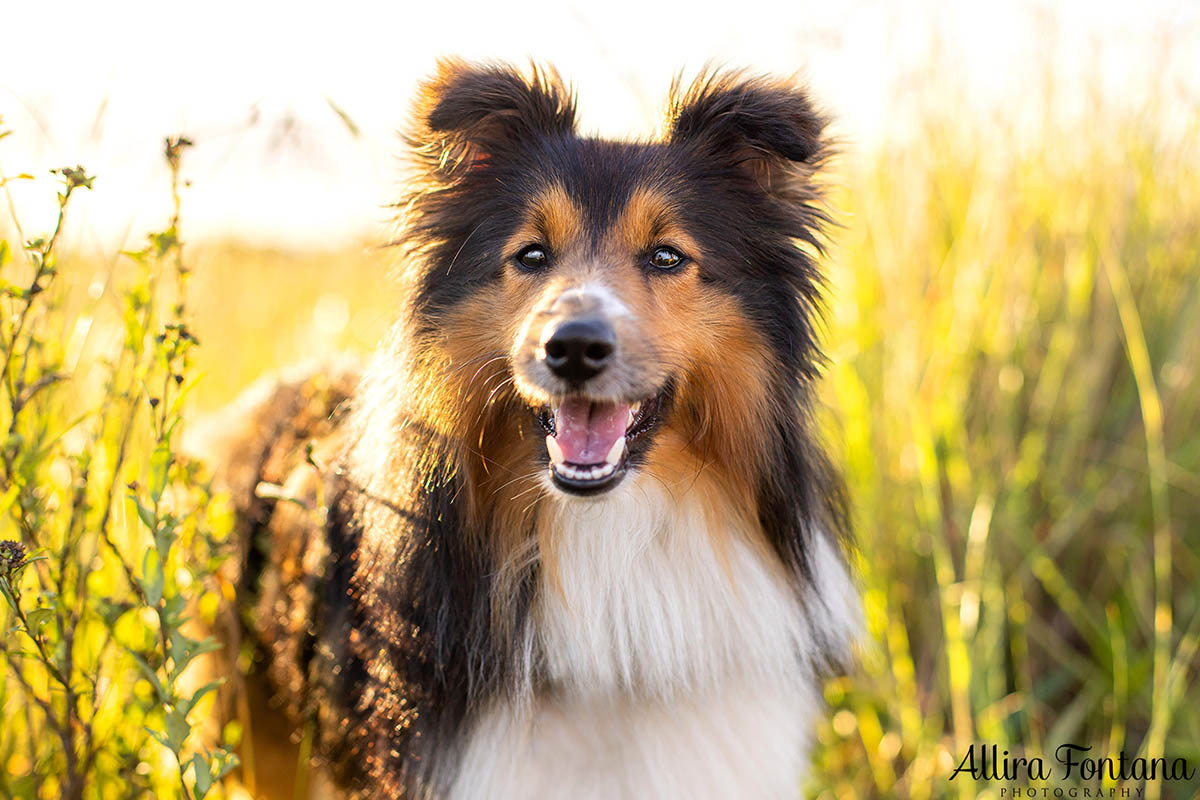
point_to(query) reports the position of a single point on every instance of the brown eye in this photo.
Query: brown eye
(666, 258)
(533, 258)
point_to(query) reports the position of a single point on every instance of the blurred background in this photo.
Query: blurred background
(295, 108)
(1014, 299)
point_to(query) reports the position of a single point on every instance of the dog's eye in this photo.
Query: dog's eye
(666, 258)
(533, 258)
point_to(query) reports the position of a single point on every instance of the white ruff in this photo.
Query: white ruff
(681, 667)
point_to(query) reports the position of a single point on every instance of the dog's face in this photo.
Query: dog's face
(605, 306)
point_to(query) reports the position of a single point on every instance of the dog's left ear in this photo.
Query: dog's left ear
(767, 127)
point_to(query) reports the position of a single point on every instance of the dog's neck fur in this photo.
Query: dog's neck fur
(680, 659)
(655, 591)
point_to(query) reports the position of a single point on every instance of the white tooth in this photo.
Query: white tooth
(629, 422)
(636, 407)
(556, 453)
(614, 454)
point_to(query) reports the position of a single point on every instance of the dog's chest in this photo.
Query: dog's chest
(743, 740)
(675, 664)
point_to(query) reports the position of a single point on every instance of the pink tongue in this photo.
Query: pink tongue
(587, 431)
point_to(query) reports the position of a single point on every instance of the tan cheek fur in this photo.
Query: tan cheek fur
(705, 340)
(476, 402)
(711, 442)
(476, 398)
(722, 399)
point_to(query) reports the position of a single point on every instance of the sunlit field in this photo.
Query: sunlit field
(1014, 340)
(1013, 389)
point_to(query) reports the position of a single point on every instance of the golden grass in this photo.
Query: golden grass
(1013, 390)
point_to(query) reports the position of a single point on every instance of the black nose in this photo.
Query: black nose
(578, 349)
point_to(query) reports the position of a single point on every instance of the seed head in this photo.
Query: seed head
(12, 557)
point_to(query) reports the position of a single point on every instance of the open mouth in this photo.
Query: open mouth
(590, 442)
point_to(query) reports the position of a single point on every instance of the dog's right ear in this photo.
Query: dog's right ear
(468, 114)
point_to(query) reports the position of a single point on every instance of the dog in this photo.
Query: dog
(571, 532)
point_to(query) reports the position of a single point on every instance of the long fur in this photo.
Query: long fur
(449, 622)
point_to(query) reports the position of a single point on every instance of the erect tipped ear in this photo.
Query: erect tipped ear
(468, 114)
(767, 127)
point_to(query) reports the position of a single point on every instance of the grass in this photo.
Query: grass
(1012, 393)
(1013, 388)
(110, 538)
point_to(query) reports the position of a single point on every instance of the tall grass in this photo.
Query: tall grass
(1017, 344)
(110, 540)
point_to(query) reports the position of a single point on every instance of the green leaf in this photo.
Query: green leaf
(204, 776)
(164, 535)
(145, 514)
(39, 617)
(185, 650)
(344, 117)
(152, 577)
(6, 590)
(160, 465)
(229, 762)
(152, 676)
(159, 737)
(173, 608)
(134, 332)
(177, 729)
(187, 705)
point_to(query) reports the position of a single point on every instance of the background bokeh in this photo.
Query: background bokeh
(1014, 300)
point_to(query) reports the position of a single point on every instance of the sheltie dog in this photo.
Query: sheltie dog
(571, 534)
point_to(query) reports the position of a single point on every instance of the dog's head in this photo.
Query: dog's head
(588, 308)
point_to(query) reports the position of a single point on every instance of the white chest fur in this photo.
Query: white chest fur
(742, 741)
(680, 662)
